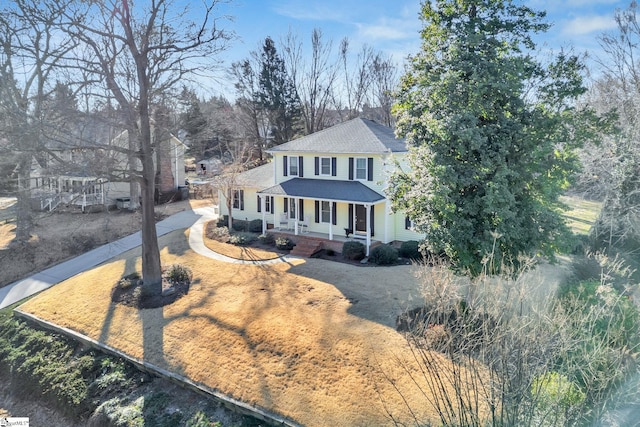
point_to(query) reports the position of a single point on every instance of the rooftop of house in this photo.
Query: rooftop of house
(357, 136)
(258, 177)
(346, 191)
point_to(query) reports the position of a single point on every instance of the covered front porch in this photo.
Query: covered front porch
(341, 210)
(308, 243)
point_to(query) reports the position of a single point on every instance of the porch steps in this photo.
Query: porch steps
(306, 247)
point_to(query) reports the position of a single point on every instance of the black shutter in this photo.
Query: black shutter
(316, 161)
(350, 168)
(301, 210)
(241, 200)
(271, 204)
(373, 208)
(370, 169)
(285, 170)
(300, 163)
(286, 205)
(334, 213)
(317, 208)
(334, 168)
(351, 217)
(259, 203)
(407, 223)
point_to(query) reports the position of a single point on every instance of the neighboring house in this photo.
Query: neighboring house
(331, 182)
(209, 167)
(76, 175)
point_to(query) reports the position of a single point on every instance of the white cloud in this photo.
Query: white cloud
(384, 31)
(582, 25)
(316, 11)
(591, 2)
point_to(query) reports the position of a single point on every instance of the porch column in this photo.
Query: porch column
(368, 209)
(263, 205)
(331, 213)
(276, 216)
(297, 213)
(387, 214)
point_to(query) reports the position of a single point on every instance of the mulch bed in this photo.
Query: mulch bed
(128, 291)
(336, 257)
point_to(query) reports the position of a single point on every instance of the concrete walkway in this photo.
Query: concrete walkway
(194, 219)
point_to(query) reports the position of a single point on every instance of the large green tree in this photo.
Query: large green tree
(491, 132)
(277, 96)
(194, 123)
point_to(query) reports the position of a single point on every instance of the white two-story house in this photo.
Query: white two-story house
(330, 183)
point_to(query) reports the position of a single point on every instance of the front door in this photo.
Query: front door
(360, 219)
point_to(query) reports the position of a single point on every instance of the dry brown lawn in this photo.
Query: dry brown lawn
(58, 236)
(311, 340)
(245, 253)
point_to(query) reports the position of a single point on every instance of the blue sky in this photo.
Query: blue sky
(392, 26)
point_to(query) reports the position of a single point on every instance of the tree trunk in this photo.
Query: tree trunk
(230, 209)
(134, 186)
(151, 267)
(24, 220)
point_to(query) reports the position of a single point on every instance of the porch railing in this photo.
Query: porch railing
(50, 203)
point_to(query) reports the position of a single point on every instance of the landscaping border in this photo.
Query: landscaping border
(226, 401)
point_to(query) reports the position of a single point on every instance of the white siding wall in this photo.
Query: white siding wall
(388, 227)
(342, 168)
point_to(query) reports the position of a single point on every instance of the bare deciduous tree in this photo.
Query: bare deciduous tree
(611, 170)
(314, 80)
(228, 181)
(385, 80)
(30, 63)
(137, 54)
(252, 119)
(517, 353)
(357, 79)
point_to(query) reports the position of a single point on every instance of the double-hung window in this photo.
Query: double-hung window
(325, 212)
(325, 166)
(408, 223)
(293, 165)
(238, 199)
(361, 168)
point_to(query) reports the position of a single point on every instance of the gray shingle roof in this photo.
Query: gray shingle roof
(258, 177)
(321, 189)
(357, 136)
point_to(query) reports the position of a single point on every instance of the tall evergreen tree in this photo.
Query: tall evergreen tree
(194, 123)
(491, 132)
(250, 117)
(277, 96)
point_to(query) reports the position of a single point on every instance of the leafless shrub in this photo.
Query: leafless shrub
(518, 352)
